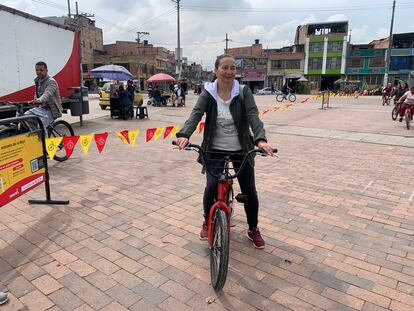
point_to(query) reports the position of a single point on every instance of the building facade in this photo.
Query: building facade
(402, 58)
(366, 65)
(325, 52)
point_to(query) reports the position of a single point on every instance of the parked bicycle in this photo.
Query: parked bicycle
(220, 214)
(59, 128)
(290, 96)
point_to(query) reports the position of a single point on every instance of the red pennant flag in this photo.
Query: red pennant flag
(201, 127)
(69, 142)
(168, 130)
(100, 141)
(126, 135)
(150, 134)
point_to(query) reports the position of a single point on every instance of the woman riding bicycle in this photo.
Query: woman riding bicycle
(408, 103)
(230, 113)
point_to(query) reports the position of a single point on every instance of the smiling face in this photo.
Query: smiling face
(226, 71)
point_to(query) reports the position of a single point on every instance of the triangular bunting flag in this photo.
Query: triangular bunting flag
(124, 136)
(201, 126)
(167, 131)
(69, 142)
(52, 145)
(85, 141)
(133, 137)
(150, 134)
(174, 131)
(100, 141)
(158, 133)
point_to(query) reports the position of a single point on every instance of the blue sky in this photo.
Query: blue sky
(204, 24)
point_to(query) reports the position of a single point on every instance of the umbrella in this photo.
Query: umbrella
(113, 72)
(303, 79)
(161, 77)
(339, 81)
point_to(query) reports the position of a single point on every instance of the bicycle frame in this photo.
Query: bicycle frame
(224, 187)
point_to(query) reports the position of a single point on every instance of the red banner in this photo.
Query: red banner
(100, 141)
(150, 134)
(69, 142)
(168, 130)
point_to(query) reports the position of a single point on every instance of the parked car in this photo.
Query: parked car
(267, 91)
(104, 95)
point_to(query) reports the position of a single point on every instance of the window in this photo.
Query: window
(315, 47)
(333, 63)
(355, 62)
(335, 46)
(374, 79)
(285, 64)
(315, 63)
(377, 62)
(84, 67)
(126, 65)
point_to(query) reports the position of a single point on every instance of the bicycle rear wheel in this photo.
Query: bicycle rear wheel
(292, 97)
(394, 113)
(60, 128)
(219, 252)
(279, 97)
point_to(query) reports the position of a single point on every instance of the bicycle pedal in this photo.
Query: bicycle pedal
(241, 198)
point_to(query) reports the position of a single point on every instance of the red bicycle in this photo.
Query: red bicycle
(220, 214)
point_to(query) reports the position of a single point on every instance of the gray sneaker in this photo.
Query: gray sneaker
(3, 298)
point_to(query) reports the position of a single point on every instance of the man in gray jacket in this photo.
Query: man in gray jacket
(47, 96)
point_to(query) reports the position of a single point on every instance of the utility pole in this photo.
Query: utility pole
(388, 58)
(69, 8)
(140, 34)
(178, 40)
(227, 41)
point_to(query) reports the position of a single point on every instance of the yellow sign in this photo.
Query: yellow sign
(22, 166)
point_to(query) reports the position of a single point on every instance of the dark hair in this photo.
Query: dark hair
(41, 64)
(121, 87)
(219, 58)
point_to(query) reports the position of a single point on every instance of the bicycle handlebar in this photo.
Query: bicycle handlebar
(204, 157)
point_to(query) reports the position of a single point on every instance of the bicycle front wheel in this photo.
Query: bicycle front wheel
(279, 98)
(60, 128)
(408, 118)
(292, 97)
(394, 113)
(219, 252)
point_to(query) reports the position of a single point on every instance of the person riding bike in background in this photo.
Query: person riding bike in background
(47, 97)
(387, 91)
(285, 90)
(408, 103)
(399, 92)
(230, 113)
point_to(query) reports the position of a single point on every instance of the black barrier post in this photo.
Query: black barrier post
(43, 135)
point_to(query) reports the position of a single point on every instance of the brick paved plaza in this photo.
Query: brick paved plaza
(336, 211)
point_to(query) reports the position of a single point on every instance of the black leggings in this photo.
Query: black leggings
(246, 181)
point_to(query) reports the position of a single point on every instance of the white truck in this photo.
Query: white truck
(25, 40)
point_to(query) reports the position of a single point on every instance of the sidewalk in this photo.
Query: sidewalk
(336, 211)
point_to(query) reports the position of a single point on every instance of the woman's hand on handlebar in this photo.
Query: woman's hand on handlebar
(265, 147)
(182, 142)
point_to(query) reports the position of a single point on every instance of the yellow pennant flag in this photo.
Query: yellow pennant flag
(133, 137)
(124, 136)
(282, 107)
(158, 133)
(85, 142)
(174, 131)
(52, 145)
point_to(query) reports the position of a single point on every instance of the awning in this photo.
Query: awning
(253, 76)
(294, 75)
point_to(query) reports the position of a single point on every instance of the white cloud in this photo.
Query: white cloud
(382, 32)
(337, 17)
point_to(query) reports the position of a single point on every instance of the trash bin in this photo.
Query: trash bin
(79, 104)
